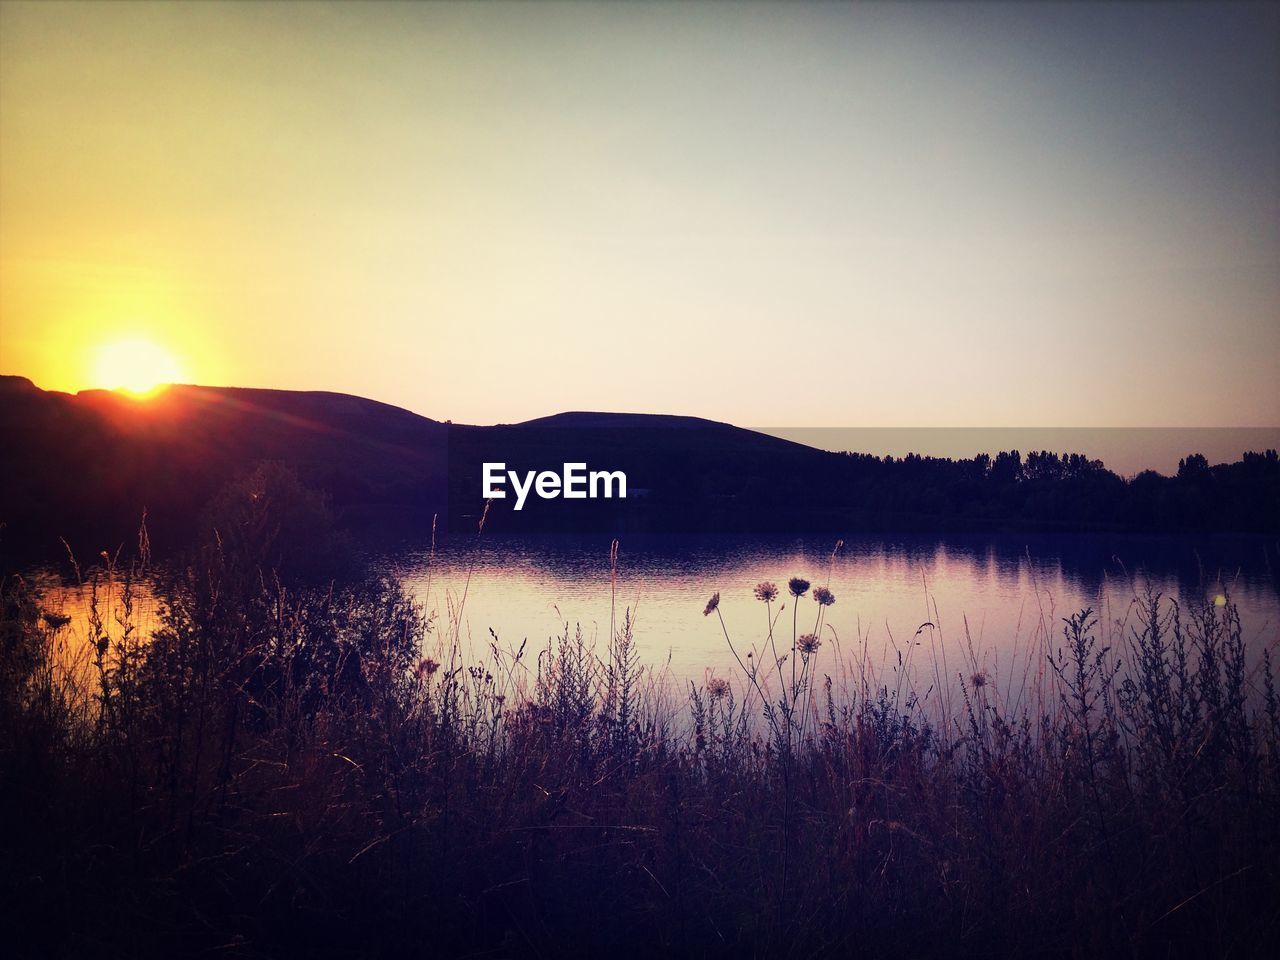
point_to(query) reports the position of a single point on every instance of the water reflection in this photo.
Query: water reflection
(993, 604)
(1001, 597)
(101, 611)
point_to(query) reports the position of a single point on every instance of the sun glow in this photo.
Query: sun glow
(135, 365)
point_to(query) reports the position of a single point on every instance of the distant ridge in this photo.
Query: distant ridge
(91, 462)
(595, 418)
(85, 467)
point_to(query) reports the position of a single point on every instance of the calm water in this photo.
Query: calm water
(992, 601)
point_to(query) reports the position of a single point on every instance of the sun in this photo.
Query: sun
(136, 365)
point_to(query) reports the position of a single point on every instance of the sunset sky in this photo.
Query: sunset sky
(881, 215)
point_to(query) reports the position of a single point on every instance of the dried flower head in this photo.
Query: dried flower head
(718, 688)
(55, 621)
(824, 596)
(767, 591)
(798, 586)
(979, 680)
(714, 602)
(427, 667)
(808, 644)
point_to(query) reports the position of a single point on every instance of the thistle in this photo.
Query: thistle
(766, 591)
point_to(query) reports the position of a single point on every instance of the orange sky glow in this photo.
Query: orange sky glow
(808, 215)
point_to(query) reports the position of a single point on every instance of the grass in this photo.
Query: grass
(300, 761)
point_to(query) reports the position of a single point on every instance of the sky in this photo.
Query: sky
(878, 215)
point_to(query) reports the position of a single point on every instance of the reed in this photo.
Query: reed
(298, 761)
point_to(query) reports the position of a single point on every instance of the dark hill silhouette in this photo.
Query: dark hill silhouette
(597, 418)
(85, 466)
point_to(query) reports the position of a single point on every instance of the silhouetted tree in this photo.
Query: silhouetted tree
(1193, 466)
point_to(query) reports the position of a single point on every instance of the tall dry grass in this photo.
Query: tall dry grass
(300, 761)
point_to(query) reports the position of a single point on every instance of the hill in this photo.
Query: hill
(84, 467)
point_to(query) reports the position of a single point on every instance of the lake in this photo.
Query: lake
(992, 604)
(992, 601)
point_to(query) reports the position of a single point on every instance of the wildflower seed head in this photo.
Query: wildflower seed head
(767, 591)
(808, 644)
(798, 586)
(979, 680)
(824, 596)
(427, 667)
(714, 602)
(718, 688)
